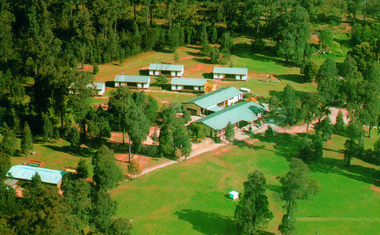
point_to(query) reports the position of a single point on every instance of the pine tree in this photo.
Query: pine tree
(47, 129)
(252, 214)
(27, 140)
(339, 125)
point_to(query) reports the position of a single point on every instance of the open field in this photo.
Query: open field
(197, 66)
(190, 197)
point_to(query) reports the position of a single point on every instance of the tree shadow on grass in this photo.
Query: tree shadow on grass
(292, 77)
(356, 172)
(285, 145)
(244, 50)
(202, 60)
(208, 75)
(208, 222)
(81, 152)
(279, 94)
(144, 72)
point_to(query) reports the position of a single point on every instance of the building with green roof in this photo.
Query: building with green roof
(188, 84)
(230, 73)
(240, 115)
(213, 101)
(174, 70)
(132, 81)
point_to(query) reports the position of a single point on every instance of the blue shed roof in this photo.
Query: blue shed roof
(23, 172)
(166, 67)
(228, 70)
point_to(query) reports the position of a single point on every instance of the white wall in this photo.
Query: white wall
(151, 72)
(146, 85)
(219, 76)
(233, 100)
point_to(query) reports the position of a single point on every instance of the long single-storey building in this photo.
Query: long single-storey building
(240, 115)
(173, 70)
(132, 81)
(230, 73)
(188, 85)
(213, 101)
(99, 87)
(48, 176)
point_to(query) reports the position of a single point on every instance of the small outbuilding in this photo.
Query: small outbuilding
(188, 85)
(98, 87)
(173, 70)
(230, 73)
(132, 81)
(234, 195)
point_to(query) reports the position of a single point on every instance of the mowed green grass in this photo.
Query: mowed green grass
(190, 197)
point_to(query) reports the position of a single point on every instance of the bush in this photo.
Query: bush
(95, 69)
(269, 132)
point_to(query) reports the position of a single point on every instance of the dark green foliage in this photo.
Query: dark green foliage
(174, 136)
(364, 56)
(74, 138)
(198, 131)
(162, 80)
(230, 132)
(186, 116)
(339, 125)
(77, 198)
(82, 169)
(309, 70)
(98, 125)
(296, 185)
(26, 140)
(252, 213)
(204, 38)
(103, 208)
(43, 212)
(36, 181)
(5, 164)
(269, 132)
(106, 173)
(47, 129)
(292, 34)
(9, 144)
(173, 39)
(318, 147)
(289, 104)
(227, 42)
(328, 80)
(376, 146)
(325, 128)
(214, 54)
(95, 69)
(351, 151)
(120, 226)
(288, 223)
(326, 38)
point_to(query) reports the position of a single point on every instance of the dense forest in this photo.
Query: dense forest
(44, 44)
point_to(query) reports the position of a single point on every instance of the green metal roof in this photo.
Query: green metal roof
(228, 70)
(215, 97)
(132, 78)
(23, 172)
(166, 67)
(244, 111)
(188, 81)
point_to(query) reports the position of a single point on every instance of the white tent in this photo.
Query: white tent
(234, 195)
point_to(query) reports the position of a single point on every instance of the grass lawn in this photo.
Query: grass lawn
(190, 197)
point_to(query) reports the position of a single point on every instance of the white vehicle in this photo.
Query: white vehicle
(245, 89)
